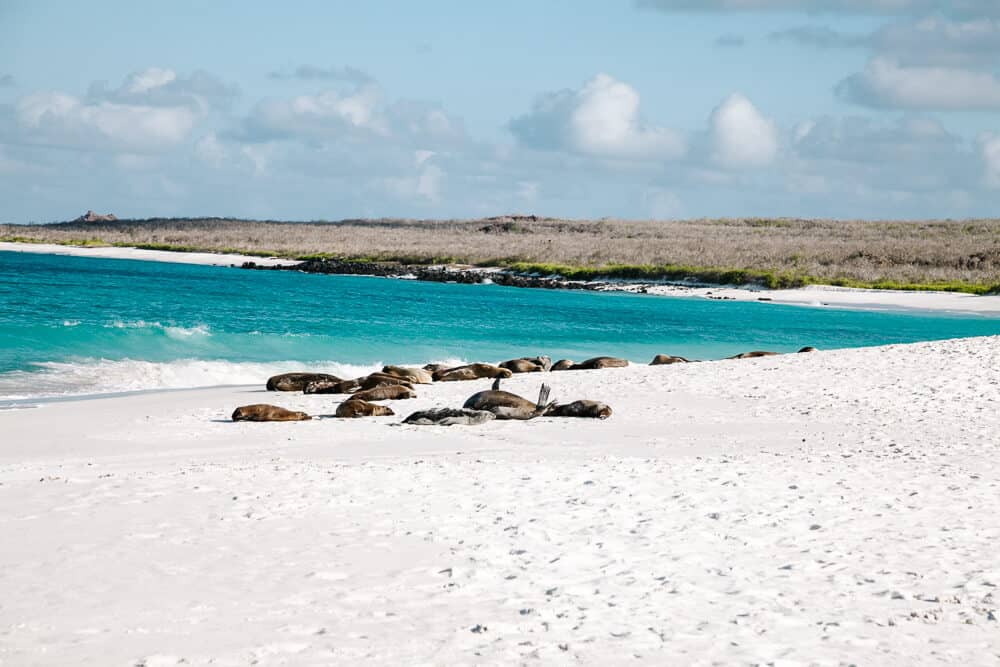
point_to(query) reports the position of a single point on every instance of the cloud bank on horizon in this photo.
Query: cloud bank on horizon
(907, 129)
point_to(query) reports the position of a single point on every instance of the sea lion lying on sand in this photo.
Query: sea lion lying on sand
(262, 412)
(432, 368)
(414, 375)
(297, 381)
(753, 355)
(327, 387)
(528, 365)
(450, 417)
(382, 380)
(592, 409)
(390, 392)
(506, 405)
(590, 364)
(809, 348)
(563, 365)
(662, 359)
(471, 372)
(355, 408)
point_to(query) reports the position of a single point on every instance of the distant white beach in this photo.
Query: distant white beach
(822, 508)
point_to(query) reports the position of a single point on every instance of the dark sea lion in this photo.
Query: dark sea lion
(592, 409)
(431, 368)
(261, 412)
(563, 365)
(297, 381)
(471, 372)
(327, 387)
(600, 362)
(753, 355)
(809, 348)
(355, 408)
(391, 392)
(382, 380)
(450, 417)
(506, 405)
(662, 359)
(414, 375)
(528, 364)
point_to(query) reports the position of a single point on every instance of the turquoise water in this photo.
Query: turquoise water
(80, 325)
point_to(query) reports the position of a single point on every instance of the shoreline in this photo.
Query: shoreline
(837, 503)
(817, 296)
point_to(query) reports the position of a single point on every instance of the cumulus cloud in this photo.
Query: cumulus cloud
(600, 119)
(936, 40)
(912, 139)
(885, 84)
(162, 87)
(314, 73)
(740, 135)
(989, 147)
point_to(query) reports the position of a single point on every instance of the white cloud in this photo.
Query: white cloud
(601, 119)
(989, 146)
(885, 84)
(741, 136)
(211, 151)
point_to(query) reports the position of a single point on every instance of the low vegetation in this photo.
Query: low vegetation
(950, 255)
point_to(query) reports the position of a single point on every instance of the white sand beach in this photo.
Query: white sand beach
(827, 508)
(813, 295)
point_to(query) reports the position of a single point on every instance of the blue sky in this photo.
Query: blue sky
(585, 108)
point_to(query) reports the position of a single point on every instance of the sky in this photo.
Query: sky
(642, 109)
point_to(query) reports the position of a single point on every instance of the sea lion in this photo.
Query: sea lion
(450, 417)
(592, 409)
(600, 362)
(662, 359)
(297, 381)
(753, 355)
(327, 387)
(392, 392)
(528, 364)
(809, 348)
(356, 408)
(382, 380)
(262, 412)
(432, 368)
(563, 365)
(506, 405)
(471, 372)
(414, 375)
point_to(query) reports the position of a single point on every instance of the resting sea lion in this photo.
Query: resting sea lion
(506, 405)
(432, 368)
(600, 362)
(391, 392)
(563, 365)
(580, 409)
(382, 380)
(528, 364)
(355, 408)
(752, 355)
(297, 381)
(261, 412)
(809, 348)
(414, 375)
(662, 359)
(471, 372)
(327, 387)
(450, 417)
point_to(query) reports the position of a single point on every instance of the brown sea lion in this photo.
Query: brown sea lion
(528, 365)
(753, 355)
(600, 362)
(506, 405)
(382, 380)
(563, 365)
(471, 372)
(450, 417)
(327, 387)
(592, 409)
(297, 381)
(261, 412)
(414, 375)
(432, 368)
(355, 408)
(662, 359)
(809, 348)
(392, 392)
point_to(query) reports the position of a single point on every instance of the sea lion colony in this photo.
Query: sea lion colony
(396, 383)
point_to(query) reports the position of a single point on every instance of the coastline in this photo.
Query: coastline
(837, 503)
(812, 296)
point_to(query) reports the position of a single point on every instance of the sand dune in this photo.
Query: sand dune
(827, 508)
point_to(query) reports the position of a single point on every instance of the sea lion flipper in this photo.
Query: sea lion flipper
(496, 384)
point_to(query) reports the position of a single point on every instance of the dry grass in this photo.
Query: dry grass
(849, 251)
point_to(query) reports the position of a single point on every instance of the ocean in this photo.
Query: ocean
(79, 326)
